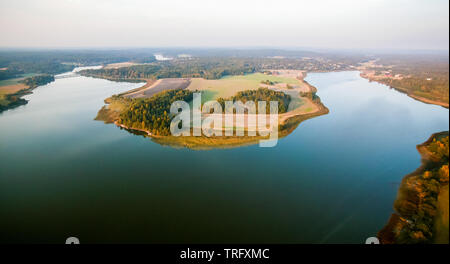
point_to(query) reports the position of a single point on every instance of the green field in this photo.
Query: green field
(230, 85)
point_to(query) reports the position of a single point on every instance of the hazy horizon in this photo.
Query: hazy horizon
(283, 24)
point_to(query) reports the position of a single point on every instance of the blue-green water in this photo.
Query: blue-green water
(333, 180)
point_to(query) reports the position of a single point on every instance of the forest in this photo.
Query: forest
(436, 88)
(208, 68)
(17, 69)
(426, 187)
(152, 114)
(424, 76)
(418, 197)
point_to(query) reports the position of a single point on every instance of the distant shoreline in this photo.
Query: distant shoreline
(408, 93)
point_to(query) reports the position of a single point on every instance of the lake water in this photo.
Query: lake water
(333, 180)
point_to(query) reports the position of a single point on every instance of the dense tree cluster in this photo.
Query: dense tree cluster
(422, 192)
(267, 82)
(35, 81)
(431, 88)
(152, 114)
(262, 94)
(439, 148)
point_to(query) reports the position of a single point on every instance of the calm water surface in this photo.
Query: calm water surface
(333, 180)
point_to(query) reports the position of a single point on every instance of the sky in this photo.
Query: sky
(337, 24)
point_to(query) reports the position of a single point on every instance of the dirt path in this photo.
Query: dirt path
(160, 85)
(136, 92)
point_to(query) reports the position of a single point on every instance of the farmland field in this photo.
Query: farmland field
(161, 85)
(14, 88)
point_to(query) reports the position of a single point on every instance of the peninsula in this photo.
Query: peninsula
(146, 110)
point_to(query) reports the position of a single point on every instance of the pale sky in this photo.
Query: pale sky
(380, 24)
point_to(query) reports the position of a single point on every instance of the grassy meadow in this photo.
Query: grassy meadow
(228, 86)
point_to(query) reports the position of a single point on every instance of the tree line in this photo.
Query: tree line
(152, 114)
(262, 94)
(208, 68)
(38, 80)
(17, 69)
(420, 204)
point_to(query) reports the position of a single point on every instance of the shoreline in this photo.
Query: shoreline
(400, 219)
(26, 89)
(19, 101)
(408, 93)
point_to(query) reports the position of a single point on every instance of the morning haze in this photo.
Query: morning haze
(377, 24)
